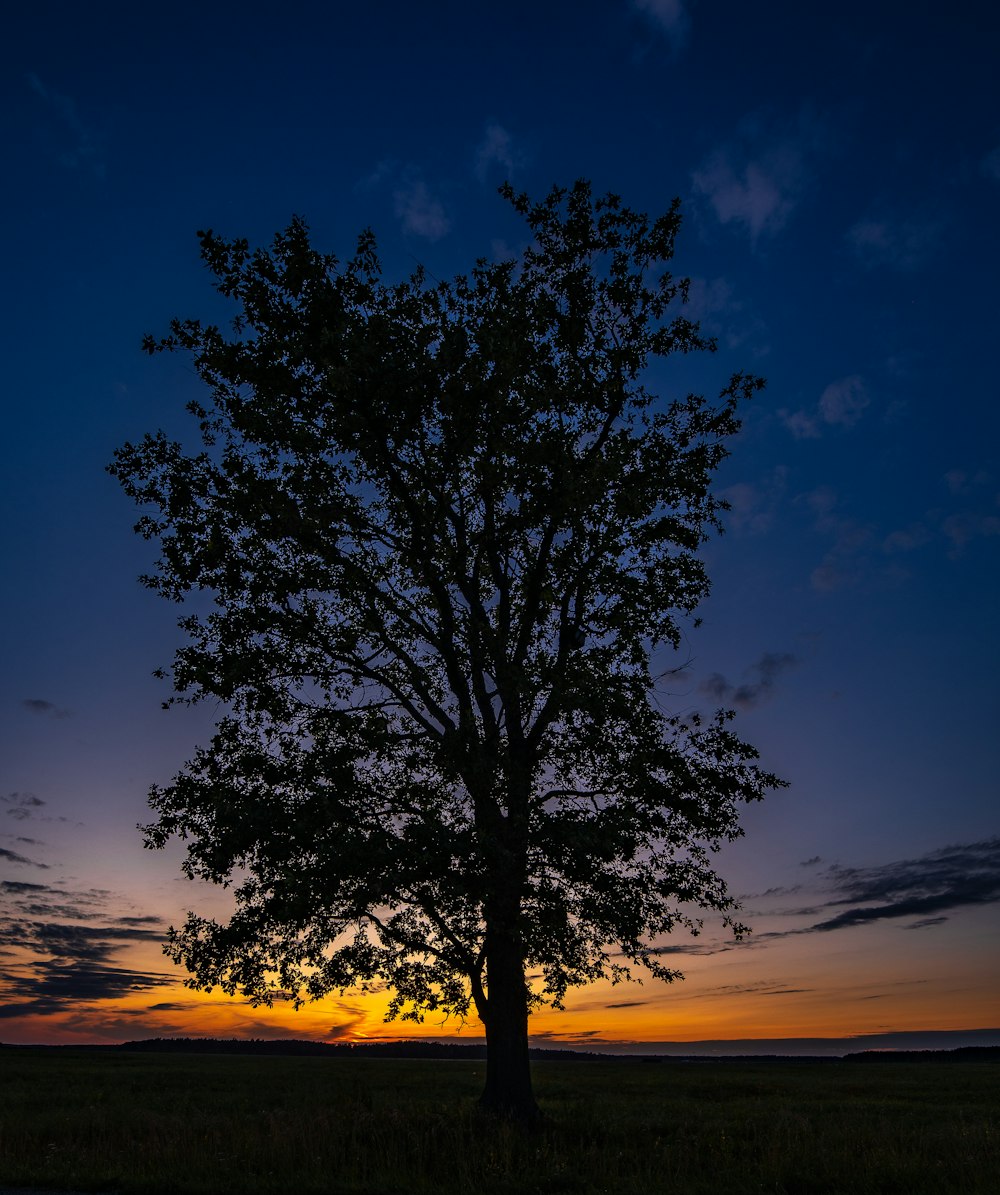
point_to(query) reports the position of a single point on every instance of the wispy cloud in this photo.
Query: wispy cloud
(384, 170)
(669, 16)
(753, 505)
(570, 1035)
(950, 878)
(756, 182)
(350, 1019)
(14, 857)
(68, 941)
(962, 529)
(971, 513)
(53, 986)
(967, 481)
(842, 402)
(497, 149)
(845, 561)
(21, 806)
(713, 303)
(903, 243)
(925, 888)
(27, 807)
(850, 539)
(420, 212)
(79, 146)
(840, 405)
(906, 539)
(38, 705)
(758, 683)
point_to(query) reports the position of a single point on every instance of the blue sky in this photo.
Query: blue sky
(839, 170)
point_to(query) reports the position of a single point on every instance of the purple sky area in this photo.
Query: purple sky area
(839, 168)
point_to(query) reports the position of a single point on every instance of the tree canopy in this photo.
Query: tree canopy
(445, 529)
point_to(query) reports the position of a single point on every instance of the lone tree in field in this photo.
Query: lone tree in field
(444, 526)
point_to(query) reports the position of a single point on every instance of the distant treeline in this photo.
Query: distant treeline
(961, 1054)
(292, 1046)
(434, 1049)
(285, 1047)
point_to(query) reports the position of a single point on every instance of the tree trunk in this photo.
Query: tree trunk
(508, 1091)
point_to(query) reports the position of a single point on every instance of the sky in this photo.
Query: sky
(839, 173)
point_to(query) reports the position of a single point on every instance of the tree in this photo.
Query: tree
(444, 527)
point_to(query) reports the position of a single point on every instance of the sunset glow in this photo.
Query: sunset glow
(842, 245)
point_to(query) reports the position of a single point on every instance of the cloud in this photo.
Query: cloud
(802, 425)
(417, 209)
(991, 164)
(670, 16)
(384, 170)
(712, 303)
(756, 195)
(14, 857)
(694, 948)
(82, 943)
(954, 877)
(843, 563)
(757, 183)
(811, 862)
(962, 529)
(21, 805)
(38, 705)
(840, 405)
(763, 987)
(351, 1019)
(72, 938)
(753, 505)
(956, 528)
(568, 1034)
(904, 244)
(79, 146)
(757, 688)
(497, 149)
(962, 482)
(25, 806)
(852, 541)
(906, 539)
(708, 297)
(54, 986)
(419, 212)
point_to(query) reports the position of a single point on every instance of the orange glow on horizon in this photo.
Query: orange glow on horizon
(656, 1014)
(800, 986)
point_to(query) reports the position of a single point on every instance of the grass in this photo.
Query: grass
(232, 1125)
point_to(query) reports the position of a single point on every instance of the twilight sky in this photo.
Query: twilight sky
(839, 168)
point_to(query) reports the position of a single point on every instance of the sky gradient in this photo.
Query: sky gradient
(839, 172)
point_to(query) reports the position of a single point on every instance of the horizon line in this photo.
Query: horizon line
(889, 1041)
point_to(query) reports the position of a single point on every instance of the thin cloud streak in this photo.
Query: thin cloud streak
(757, 688)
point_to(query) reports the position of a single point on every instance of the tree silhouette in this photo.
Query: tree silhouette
(444, 526)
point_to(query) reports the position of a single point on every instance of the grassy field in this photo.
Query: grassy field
(177, 1124)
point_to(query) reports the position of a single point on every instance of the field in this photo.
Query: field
(182, 1125)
